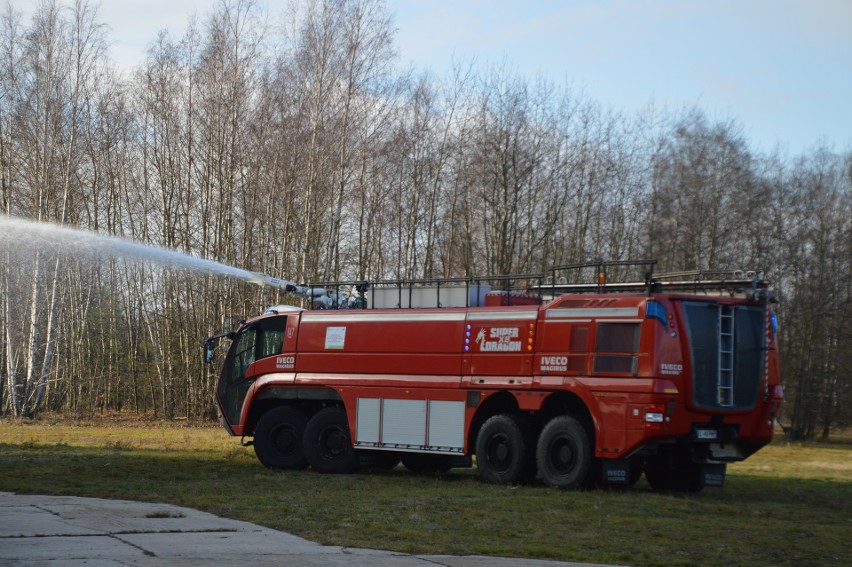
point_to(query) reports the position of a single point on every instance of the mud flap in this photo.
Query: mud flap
(713, 474)
(616, 472)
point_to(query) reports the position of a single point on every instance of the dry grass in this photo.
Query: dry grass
(788, 505)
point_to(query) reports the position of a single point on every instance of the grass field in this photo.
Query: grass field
(790, 504)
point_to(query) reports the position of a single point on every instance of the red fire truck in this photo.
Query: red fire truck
(673, 376)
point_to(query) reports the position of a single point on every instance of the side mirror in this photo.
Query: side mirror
(209, 347)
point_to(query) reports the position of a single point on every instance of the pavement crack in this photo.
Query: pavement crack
(147, 552)
(48, 510)
(176, 531)
(432, 561)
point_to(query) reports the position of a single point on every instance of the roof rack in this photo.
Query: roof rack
(704, 282)
(561, 279)
(699, 287)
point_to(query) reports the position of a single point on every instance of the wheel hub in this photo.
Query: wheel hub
(285, 439)
(336, 441)
(502, 452)
(498, 452)
(563, 454)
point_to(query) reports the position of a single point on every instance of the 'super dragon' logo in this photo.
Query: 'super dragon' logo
(499, 339)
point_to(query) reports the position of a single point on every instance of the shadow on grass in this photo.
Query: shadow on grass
(754, 520)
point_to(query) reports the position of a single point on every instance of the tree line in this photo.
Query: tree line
(296, 145)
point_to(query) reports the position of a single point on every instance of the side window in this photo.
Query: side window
(243, 353)
(616, 346)
(264, 338)
(272, 337)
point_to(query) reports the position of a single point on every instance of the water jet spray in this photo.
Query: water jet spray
(29, 233)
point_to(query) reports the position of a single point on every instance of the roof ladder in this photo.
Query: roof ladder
(725, 380)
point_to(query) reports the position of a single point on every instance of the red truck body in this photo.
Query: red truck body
(584, 389)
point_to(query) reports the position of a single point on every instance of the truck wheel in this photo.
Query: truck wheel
(278, 438)
(502, 451)
(420, 463)
(564, 453)
(328, 446)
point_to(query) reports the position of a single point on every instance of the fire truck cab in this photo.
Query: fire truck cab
(576, 384)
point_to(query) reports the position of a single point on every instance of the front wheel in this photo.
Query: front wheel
(328, 445)
(504, 450)
(278, 438)
(564, 453)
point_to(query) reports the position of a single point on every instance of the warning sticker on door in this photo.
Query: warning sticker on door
(335, 337)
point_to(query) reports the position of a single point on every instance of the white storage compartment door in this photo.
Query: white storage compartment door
(369, 420)
(446, 425)
(404, 423)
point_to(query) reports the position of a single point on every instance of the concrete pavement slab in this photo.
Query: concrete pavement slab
(67, 548)
(32, 521)
(65, 531)
(482, 561)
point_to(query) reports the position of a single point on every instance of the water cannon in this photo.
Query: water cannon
(318, 297)
(284, 285)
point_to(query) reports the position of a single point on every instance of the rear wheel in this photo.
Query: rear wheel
(503, 450)
(278, 438)
(564, 453)
(328, 445)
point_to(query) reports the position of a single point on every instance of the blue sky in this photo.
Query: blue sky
(781, 68)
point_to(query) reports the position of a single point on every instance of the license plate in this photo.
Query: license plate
(706, 434)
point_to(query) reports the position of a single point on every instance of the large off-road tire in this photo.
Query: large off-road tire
(504, 450)
(278, 438)
(564, 453)
(328, 445)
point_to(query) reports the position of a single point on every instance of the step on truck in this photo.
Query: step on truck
(536, 376)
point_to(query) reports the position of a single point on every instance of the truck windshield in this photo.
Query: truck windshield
(254, 341)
